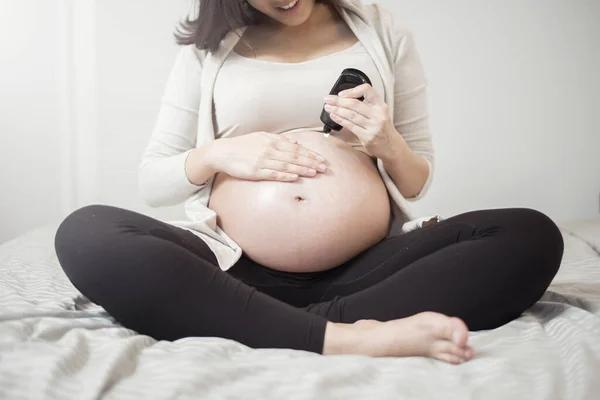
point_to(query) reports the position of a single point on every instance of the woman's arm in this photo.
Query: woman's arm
(410, 161)
(409, 171)
(162, 173)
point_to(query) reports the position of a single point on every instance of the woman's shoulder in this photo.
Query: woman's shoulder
(190, 56)
(392, 30)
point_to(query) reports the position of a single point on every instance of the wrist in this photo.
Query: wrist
(201, 164)
(211, 153)
(396, 150)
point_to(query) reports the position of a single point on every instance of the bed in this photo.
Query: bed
(54, 344)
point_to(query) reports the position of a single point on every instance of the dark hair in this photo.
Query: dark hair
(215, 18)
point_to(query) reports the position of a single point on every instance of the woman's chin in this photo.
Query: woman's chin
(295, 17)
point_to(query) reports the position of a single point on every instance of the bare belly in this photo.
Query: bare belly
(312, 224)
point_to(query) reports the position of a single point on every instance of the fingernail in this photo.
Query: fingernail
(322, 167)
(329, 108)
(343, 93)
(328, 99)
(316, 156)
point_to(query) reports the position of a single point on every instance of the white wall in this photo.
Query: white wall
(135, 52)
(515, 102)
(30, 162)
(80, 86)
(514, 96)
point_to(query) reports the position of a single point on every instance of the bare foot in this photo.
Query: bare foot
(426, 334)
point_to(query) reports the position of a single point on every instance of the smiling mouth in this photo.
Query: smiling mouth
(290, 6)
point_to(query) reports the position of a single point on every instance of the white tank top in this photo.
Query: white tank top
(255, 95)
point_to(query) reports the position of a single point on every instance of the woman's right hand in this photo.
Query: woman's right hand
(265, 156)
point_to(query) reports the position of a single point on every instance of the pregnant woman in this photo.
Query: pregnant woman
(293, 239)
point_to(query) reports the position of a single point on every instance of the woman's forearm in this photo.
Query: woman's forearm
(408, 170)
(200, 164)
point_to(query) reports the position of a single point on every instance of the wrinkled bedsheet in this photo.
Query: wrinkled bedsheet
(54, 344)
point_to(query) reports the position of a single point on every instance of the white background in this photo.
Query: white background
(514, 98)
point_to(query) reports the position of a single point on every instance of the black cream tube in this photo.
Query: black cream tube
(349, 78)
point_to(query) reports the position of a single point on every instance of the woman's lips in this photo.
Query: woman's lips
(294, 7)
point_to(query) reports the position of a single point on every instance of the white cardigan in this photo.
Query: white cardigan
(185, 122)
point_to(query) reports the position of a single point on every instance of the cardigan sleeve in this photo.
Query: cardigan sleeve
(162, 180)
(411, 114)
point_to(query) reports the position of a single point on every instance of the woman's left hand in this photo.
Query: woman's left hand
(369, 120)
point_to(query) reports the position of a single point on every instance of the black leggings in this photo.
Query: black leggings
(485, 267)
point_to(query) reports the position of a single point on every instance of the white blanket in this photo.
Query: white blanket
(55, 345)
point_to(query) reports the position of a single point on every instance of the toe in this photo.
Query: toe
(447, 351)
(447, 347)
(465, 354)
(449, 358)
(447, 328)
(458, 351)
(460, 332)
(469, 353)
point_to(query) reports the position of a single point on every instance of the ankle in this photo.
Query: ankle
(342, 339)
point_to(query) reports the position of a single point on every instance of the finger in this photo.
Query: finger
(359, 131)
(365, 90)
(298, 160)
(273, 175)
(290, 168)
(297, 149)
(349, 103)
(350, 115)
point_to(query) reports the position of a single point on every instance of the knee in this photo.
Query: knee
(541, 229)
(79, 235)
(77, 225)
(542, 238)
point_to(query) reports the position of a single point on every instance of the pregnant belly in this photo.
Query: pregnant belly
(312, 224)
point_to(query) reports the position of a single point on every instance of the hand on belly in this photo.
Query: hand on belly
(313, 223)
